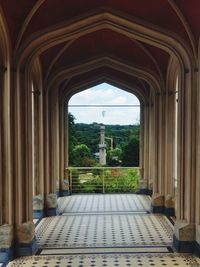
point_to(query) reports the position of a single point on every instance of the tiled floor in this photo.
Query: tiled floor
(122, 260)
(104, 203)
(105, 230)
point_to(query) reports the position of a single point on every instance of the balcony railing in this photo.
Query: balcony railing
(103, 179)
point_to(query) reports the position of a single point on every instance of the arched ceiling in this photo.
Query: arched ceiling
(45, 13)
(107, 74)
(113, 44)
(177, 18)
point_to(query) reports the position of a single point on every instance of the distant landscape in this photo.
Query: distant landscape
(84, 140)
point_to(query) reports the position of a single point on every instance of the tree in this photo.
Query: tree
(72, 136)
(82, 156)
(130, 156)
(114, 157)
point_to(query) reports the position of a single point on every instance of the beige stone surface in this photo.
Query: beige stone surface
(25, 232)
(157, 200)
(6, 235)
(65, 185)
(38, 202)
(57, 185)
(51, 201)
(184, 231)
(169, 201)
(150, 186)
(143, 184)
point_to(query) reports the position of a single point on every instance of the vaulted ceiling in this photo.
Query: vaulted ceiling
(178, 18)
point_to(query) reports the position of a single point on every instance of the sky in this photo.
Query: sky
(105, 94)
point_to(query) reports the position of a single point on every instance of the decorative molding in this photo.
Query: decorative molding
(185, 25)
(27, 21)
(116, 64)
(64, 32)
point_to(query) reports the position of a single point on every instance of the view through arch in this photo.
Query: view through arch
(104, 140)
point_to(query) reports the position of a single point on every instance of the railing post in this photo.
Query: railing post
(103, 176)
(70, 175)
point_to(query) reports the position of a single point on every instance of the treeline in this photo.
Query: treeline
(84, 143)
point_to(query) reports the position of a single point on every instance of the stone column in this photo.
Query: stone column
(64, 181)
(152, 143)
(47, 162)
(143, 183)
(66, 187)
(158, 183)
(38, 155)
(52, 147)
(24, 227)
(170, 151)
(6, 167)
(54, 139)
(197, 211)
(184, 234)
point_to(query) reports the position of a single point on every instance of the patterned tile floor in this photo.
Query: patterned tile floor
(105, 230)
(121, 260)
(104, 203)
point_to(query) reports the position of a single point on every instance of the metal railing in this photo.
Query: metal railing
(103, 179)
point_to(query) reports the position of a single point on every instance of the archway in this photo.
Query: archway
(118, 112)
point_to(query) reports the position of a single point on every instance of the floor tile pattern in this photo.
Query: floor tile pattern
(104, 230)
(105, 250)
(124, 260)
(104, 203)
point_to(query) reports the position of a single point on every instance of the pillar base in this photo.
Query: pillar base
(157, 205)
(197, 243)
(64, 193)
(58, 193)
(169, 211)
(38, 214)
(51, 212)
(143, 187)
(142, 191)
(184, 237)
(183, 246)
(157, 209)
(197, 249)
(51, 205)
(149, 192)
(26, 249)
(38, 207)
(6, 255)
(6, 243)
(169, 205)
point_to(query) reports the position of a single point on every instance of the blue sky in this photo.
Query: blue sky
(107, 95)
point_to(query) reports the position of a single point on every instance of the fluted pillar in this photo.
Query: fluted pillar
(24, 227)
(6, 166)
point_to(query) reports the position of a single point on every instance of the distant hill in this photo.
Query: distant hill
(89, 134)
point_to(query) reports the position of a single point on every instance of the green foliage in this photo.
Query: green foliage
(121, 181)
(125, 143)
(115, 181)
(82, 156)
(72, 134)
(130, 155)
(114, 157)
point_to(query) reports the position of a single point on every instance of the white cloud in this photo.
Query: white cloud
(105, 94)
